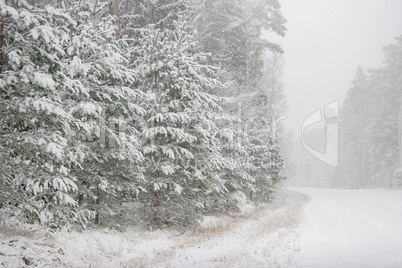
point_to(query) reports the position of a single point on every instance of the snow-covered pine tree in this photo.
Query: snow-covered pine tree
(109, 116)
(393, 61)
(369, 120)
(382, 127)
(70, 115)
(266, 106)
(353, 135)
(231, 31)
(36, 123)
(182, 151)
(269, 163)
(264, 153)
(383, 117)
(136, 15)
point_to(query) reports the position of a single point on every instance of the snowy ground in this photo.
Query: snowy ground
(351, 228)
(337, 228)
(264, 236)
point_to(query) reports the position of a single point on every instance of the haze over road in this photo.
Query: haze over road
(351, 228)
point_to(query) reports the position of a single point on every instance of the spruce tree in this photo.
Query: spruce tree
(110, 115)
(182, 152)
(36, 122)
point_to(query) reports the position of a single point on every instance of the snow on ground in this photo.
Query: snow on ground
(351, 228)
(263, 236)
(267, 238)
(341, 228)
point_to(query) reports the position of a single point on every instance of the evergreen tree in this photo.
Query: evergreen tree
(36, 123)
(369, 125)
(231, 31)
(182, 153)
(111, 114)
(266, 106)
(71, 117)
(237, 167)
(137, 15)
(382, 128)
(90, 119)
(353, 136)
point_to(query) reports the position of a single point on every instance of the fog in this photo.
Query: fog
(326, 41)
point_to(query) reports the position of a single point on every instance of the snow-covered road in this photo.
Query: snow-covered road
(351, 228)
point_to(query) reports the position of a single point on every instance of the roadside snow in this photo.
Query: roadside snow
(267, 238)
(262, 236)
(351, 228)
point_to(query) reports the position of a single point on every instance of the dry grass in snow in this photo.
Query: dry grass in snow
(260, 236)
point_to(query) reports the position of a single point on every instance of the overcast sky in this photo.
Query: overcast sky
(325, 42)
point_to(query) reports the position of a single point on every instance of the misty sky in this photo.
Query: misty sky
(325, 42)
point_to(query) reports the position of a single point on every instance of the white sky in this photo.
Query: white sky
(325, 42)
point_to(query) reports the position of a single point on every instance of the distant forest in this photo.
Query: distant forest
(369, 133)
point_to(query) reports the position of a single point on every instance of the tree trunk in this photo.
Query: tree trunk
(362, 153)
(400, 127)
(117, 14)
(157, 221)
(2, 21)
(97, 202)
(94, 11)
